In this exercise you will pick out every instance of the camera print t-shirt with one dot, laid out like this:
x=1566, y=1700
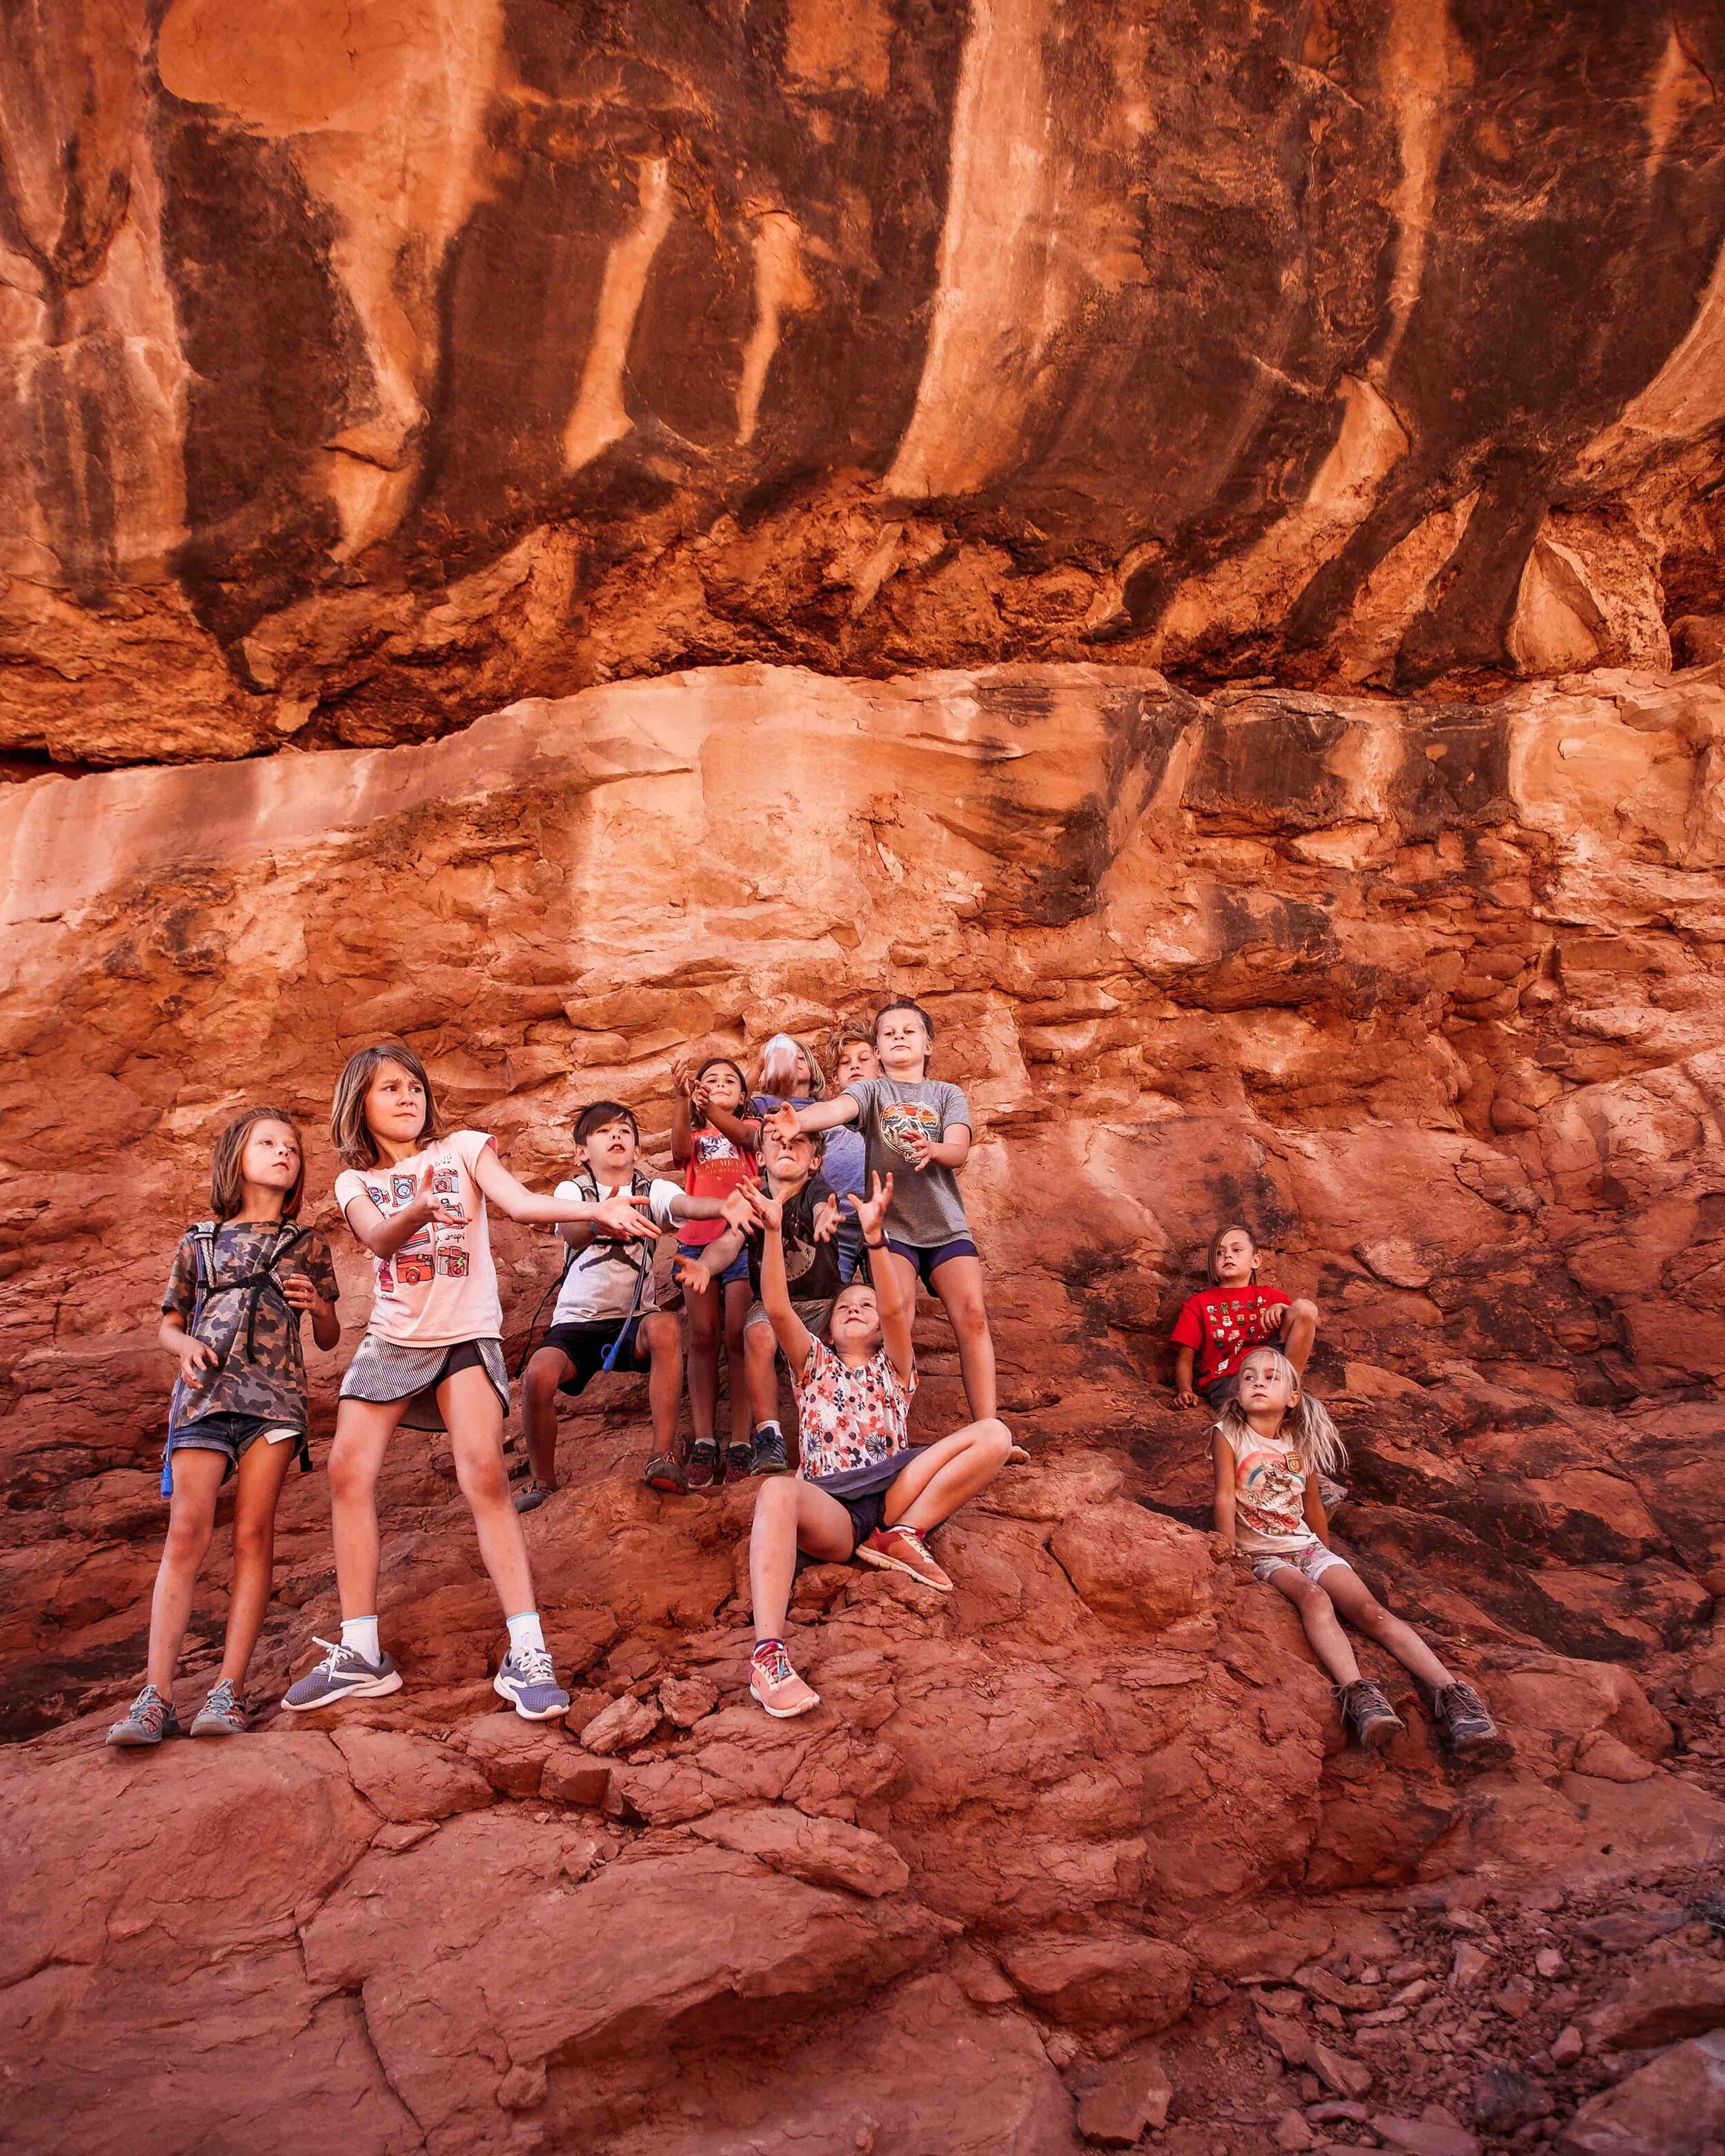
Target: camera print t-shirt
x=599, y=1286
x=1224, y=1324
x=1269, y=1497
x=926, y=1210
x=440, y=1287
x=715, y=1168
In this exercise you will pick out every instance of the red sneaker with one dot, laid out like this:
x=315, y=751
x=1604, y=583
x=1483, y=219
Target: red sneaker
x=776, y=1684
x=900, y=1549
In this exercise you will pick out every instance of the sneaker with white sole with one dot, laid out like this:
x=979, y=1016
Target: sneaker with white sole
x=223, y=1714
x=902, y=1549
x=148, y=1720
x=530, y=1683
x=776, y=1684
x=344, y=1673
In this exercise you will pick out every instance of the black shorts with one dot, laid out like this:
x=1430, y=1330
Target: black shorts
x=929, y=1258
x=587, y=1346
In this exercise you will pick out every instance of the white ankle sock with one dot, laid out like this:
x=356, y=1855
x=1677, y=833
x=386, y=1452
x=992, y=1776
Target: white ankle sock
x=361, y=1633
x=761, y=1428
x=524, y=1632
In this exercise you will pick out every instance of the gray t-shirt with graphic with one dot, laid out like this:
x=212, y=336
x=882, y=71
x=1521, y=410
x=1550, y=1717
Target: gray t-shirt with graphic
x=926, y=1210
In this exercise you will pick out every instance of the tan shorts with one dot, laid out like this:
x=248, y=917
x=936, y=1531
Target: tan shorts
x=1311, y=1563
x=816, y=1316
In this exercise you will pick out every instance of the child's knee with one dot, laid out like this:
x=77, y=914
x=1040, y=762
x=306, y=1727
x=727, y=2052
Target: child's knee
x=540, y=1386
x=1302, y=1310
x=993, y=1440
x=349, y=1473
x=775, y=1508
x=188, y=1536
x=254, y=1540
x=1372, y=1617
x=485, y=1480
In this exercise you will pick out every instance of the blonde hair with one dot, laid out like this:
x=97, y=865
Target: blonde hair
x=776, y=1055
x=349, y=1130
x=1307, y=1424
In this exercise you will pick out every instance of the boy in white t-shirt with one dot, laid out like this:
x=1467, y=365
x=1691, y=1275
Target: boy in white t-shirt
x=607, y=1314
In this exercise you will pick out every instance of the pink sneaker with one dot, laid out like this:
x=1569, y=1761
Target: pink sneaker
x=776, y=1684
x=901, y=1550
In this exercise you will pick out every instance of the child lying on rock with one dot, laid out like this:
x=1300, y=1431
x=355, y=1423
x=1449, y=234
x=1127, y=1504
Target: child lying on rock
x=241, y=1284
x=789, y=1174
x=607, y=1316
x=1268, y=1445
x=863, y=1490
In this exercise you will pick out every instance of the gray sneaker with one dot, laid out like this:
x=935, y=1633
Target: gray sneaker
x=223, y=1714
x=344, y=1673
x=148, y=1720
x=531, y=1496
x=530, y=1683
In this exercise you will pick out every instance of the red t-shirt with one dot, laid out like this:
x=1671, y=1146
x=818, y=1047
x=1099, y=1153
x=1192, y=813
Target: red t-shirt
x=715, y=1167
x=1224, y=1324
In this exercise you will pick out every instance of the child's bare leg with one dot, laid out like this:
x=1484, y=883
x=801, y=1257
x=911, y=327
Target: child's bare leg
x=1362, y=1609
x=951, y=1470
x=363, y=1430
x=705, y=1317
x=549, y=1367
x=1323, y=1627
x=760, y=1353
x=662, y=1337
x=1299, y=1329
x=191, y=1521
x=958, y=1283
x=474, y=1416
x=262, y=1472
x=737, y=1310
x=791, y=1514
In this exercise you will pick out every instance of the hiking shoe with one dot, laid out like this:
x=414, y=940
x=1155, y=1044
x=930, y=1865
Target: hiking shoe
x=901, y=1550
x=1368, y=1716
x=530, y=1683
x=530, y=1498
x=703, y=1463
x=1460, y=1719
x=344, y=1673
x=223, y=1714
x=770, y=1456
x=148, y=1720
x=666, y=1475
x=739, y=1460
x=776, y=1684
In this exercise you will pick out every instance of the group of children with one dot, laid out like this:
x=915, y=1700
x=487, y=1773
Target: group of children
x=806, y=1219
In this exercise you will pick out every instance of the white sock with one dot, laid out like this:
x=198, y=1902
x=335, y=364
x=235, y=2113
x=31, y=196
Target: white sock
x=524, y=1632
x=361, y=1633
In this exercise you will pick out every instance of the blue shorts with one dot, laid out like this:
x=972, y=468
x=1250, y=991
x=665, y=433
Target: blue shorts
x=928, y=1262
x=737, y=1270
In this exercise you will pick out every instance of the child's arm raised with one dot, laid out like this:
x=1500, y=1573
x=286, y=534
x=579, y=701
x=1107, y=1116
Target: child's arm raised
x=685, y=1208
x=1184, y=1397
x=623, y=1216
x=895, y=1307
x=698, y=1275
x=744, y=1132
x=1222, y=1453
x=817, y=1116
x=682, y=1134
x=382, y=1234
x=789, y=1329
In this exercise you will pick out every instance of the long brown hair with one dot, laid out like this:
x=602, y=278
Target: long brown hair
x=349, y=1131
x=227, y=1181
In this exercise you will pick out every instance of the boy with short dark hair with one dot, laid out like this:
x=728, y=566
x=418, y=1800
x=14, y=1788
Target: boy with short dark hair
x=789, y=1173
x=607, y=1315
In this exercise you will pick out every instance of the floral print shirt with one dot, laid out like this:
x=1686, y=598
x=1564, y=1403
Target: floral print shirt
x=850, y=1417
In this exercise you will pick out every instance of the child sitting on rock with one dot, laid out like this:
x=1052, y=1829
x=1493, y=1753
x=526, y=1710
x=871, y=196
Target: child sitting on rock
x=607, y=1315
x=788, y=1173
x=715, y=1140
x=846, y=1164
x=863, y=1489
x=1223, y=1322
x=1268, y=1445
x=432, y=1358
x=911, y=1121
x=241, y=1283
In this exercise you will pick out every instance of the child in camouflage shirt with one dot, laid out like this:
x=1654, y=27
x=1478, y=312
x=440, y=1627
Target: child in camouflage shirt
x=240, y=1286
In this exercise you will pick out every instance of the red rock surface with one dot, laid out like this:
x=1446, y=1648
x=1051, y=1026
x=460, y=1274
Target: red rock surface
x=1430, y=995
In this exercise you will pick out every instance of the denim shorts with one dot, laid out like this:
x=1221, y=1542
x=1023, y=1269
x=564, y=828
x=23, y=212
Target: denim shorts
x=232, y=1435
x=1311, y=1563
x=737, y=1270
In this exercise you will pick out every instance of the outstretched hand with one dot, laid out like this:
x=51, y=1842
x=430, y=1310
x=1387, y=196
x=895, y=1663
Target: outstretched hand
x=691, y=1275
x=1186, y=1397
x=682, y=1076
x=917, y=1147
x=783, y=1123
x=871, y=1211
x=197, y=1359
x=768, y=1211
x=736, y=1209
x=826, y=1219
x=624, y=1217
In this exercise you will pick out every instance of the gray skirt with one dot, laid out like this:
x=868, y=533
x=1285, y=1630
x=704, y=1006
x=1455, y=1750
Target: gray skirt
x=382, y=1372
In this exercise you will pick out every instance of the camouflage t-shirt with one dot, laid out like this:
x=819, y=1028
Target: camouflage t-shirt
x=270, y=1382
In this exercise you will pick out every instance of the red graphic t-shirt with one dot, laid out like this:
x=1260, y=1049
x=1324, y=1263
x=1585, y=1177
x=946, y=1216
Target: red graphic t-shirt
x=1224, y=1324
x=715, y=1167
